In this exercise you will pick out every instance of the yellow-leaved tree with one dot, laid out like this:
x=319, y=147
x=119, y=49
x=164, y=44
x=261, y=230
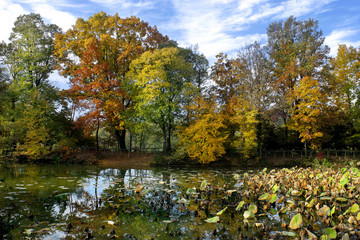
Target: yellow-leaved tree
x=246, y=133
x=305, y=113
x=206, y=134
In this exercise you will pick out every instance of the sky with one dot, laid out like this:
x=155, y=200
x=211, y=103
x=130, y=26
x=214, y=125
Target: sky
x=214, y=25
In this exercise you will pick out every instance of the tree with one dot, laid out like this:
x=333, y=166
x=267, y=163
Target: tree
x=29, y=62
x=205, y=136
x=305, y=115
x=161, y=79
x=296, y=50
x=344, y=91
x=96, y=55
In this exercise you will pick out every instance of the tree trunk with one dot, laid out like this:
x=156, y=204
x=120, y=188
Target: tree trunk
x=120, y=137
x=97, y=136
x=164, y=138
x=168, y=140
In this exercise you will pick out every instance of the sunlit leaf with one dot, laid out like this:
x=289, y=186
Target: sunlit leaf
x=240, y=205
x=296, y=222
x=221, y=212
x=203, y=185
x=273, y=198
x=253, y=208
x=264, y=196
x=325, y=210
x=330, y=232
x=213, y=219
x=248, y=214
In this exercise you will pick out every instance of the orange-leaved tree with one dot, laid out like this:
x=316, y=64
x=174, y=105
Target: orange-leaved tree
x=96, y=55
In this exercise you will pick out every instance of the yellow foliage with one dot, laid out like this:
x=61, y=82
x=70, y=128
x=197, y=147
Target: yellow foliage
x=306, y=111
x=204, y=138
x=245, y=118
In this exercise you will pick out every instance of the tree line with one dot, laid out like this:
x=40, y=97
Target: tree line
x=130, y=84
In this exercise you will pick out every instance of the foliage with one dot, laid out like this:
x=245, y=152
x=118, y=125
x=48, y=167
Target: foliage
x=305, y=115
x=96, y=55
x=205, y=136
x=160, y=80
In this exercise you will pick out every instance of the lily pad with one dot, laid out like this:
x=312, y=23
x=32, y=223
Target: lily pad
x=253, y=208
x=248, y=214
x=330, y=232
x=296, y=222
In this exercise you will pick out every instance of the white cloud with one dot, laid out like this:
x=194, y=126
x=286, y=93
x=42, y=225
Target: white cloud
x=341, y=36
x=63, y=19
x=217, y=25
x=9, y=11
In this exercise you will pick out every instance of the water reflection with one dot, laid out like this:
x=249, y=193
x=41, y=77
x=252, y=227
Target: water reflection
x=77, y=202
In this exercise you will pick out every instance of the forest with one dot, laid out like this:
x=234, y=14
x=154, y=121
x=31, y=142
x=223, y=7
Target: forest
x=132, y=88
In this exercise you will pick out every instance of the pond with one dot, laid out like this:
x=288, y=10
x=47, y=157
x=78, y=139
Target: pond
x=89, y=202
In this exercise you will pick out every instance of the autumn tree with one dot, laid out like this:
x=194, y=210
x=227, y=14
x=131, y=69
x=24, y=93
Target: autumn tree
x=161, y=79
x=29, y=61
x=344, y=91
x=204, y=137
x=305, y=114
x=296, y=50
x=96, y=55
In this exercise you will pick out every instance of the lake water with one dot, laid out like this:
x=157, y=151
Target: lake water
x=89, y=202
x=77, y=202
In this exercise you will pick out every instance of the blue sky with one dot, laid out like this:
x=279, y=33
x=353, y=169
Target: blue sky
x=215, y=25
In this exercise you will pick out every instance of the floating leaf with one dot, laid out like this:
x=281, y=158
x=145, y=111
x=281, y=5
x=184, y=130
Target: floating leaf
x=330, y=232
x=29, y=231
x=253, y=208
x=324, y=237
x=311, y=203
x=311, y=236
x=341, y=199
x=355, y=208
x=248, y=214
x=284, y=210
x=332, y=211
x=358, y=217
x=296, y=222
x=240, y=205
x=221, y=212
x=213, y=219
x=285, y=233
x=325, y=210
x=236, y=176
x=203, y=185
x=273, y=198
x=264, y=196
x=183, y=201
x=191, y=191
x=275, y=188
x=230, y=191
x=325, y=198
x=273, y=211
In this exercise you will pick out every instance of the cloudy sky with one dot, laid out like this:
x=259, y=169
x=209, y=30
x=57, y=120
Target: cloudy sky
x=215, y=25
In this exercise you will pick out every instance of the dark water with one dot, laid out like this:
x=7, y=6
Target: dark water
x=83, y=202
